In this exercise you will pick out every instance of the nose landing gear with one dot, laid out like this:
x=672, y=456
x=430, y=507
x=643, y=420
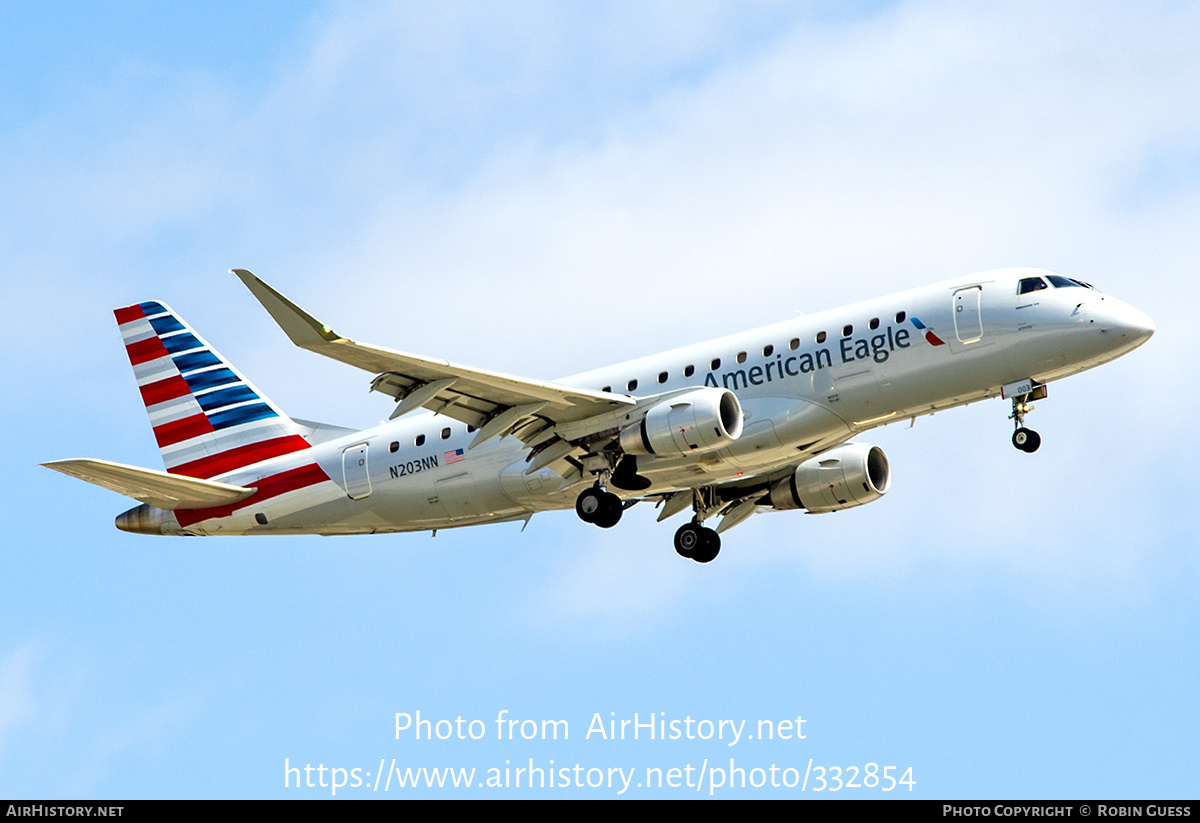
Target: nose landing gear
x=1027, y=440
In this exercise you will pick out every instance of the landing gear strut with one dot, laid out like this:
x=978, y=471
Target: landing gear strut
x=597, y=506
x=1027, y=440
x=693, y=540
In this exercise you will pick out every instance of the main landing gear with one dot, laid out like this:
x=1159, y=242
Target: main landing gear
x=597, y=506
x=697, y=542
x=604, y=509
x=1027, y=440
x=694, y=540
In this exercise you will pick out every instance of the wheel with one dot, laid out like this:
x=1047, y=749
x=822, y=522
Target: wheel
x=610, y=511
x=1027, y=440
x=710, y=547
x=689, y=539
x=695, y=542
x=589, y=503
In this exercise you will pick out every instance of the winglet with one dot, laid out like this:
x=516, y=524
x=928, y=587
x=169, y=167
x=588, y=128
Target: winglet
x=301, y=327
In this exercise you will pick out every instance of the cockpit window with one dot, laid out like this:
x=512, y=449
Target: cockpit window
x=1029, y=284
x=1060, y=282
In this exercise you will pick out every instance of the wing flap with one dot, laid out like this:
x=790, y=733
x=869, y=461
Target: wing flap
x=165, y=491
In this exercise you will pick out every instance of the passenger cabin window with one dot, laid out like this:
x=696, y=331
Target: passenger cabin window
x=446, y=433
x=606, y=389
x=662, y=377
x=874, y=323
x=901, y=316
x=741, y=358
x=847, y=330
x=688, y=371
x=715, y=364
x=420, y=441
x=631, y=385
x=1029, y=284
x=768, y=351
x=820, y=337
x=394, y=446
x=795, y=344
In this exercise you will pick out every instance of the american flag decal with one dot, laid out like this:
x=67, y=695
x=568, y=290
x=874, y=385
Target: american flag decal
x=454, y=456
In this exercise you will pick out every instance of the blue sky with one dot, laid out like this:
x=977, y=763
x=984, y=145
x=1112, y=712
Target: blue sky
x=541, y=189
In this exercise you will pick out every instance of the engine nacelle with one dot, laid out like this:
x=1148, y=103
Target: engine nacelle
x=841, y=478
x=698, y=421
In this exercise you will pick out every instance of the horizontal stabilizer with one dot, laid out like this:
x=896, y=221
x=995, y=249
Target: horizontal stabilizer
x=165, y=491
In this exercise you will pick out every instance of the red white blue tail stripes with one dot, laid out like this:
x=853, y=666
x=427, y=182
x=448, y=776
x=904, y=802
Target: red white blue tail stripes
x=207, y=418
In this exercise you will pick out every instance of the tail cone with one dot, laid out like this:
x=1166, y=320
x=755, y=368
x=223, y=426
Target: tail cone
x=141, y=519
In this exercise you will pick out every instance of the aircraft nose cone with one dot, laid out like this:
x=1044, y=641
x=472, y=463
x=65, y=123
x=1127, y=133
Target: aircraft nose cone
x=1145, y=328
x=1132, y=324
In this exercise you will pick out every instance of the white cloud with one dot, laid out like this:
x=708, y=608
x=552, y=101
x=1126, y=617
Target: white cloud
x=18, y=705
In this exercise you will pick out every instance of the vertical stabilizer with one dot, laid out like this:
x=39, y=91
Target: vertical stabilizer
x=207, y=418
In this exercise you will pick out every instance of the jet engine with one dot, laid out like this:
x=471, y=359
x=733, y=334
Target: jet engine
x=698, y=421
x=841, y=478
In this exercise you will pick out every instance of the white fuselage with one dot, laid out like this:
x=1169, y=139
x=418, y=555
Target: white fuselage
x=805, y=385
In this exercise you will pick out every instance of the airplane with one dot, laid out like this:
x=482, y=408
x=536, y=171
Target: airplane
x=758, y=421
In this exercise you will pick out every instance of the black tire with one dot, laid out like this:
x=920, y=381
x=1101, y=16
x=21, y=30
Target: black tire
x=689, y=539
x=1027, y=440
x=610, y=511
x=710, y=547
x=589, y=504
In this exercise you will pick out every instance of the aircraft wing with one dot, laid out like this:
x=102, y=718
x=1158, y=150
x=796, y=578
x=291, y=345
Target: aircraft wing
x=166, y=491
x=496, y=403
